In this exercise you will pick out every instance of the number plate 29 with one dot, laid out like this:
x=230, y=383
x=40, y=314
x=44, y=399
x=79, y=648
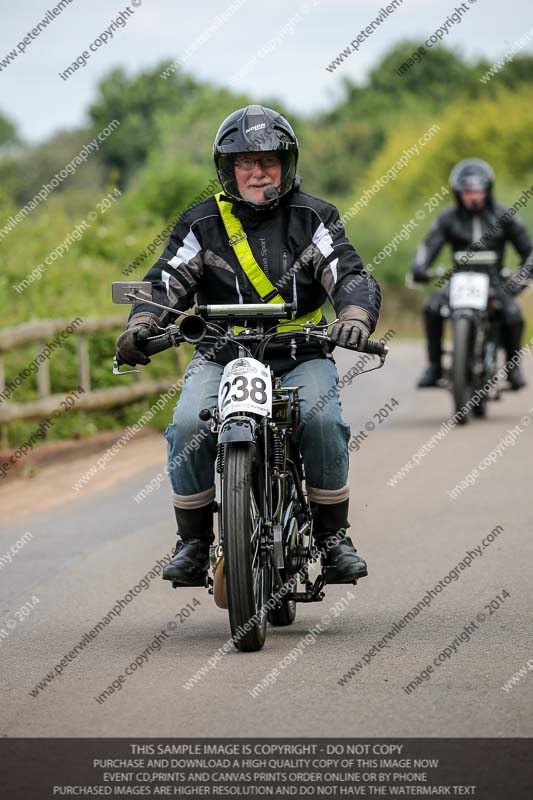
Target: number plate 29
x=246, y=387
x=469, y=290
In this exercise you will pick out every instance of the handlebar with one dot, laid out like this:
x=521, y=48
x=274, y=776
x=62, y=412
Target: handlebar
x=156, y=344
x=446, y=272
x=172, y=337
x=193, y=329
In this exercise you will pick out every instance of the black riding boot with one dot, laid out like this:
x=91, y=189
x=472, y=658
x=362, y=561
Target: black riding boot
x=191, y=555
x=433, y=373
x=511, y=340
x=337, y=550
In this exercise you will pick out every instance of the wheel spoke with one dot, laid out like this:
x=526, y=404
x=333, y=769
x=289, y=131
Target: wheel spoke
x=259, y=591
x=255, y=541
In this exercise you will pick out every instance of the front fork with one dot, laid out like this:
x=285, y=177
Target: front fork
x=478, y=350
x=485, y=350
x=276, y=466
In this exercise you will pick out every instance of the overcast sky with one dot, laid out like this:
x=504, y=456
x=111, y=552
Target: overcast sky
x=219, y=40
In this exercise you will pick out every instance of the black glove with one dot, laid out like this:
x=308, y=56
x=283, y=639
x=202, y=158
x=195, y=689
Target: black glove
x=353, y=328
x=518, y=281
x=140, y=327
x=515, y=288
x=419, y=275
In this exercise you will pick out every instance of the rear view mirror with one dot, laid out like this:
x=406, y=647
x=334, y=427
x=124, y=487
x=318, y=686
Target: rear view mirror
x=131, y=291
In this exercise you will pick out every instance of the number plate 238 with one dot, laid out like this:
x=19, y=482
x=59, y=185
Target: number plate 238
x=246, y=387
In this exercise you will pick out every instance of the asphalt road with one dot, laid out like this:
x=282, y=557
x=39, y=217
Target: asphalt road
x=92, y=548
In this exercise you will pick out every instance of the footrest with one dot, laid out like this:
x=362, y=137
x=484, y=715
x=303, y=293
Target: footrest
x=305, y=597
x=201, y=580
x=313, y=592
x=331, y=576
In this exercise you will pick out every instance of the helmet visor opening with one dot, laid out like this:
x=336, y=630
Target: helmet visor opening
x=226, y=172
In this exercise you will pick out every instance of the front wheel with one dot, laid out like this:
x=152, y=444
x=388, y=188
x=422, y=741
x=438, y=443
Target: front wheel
x=461, y=372
x=248, y=574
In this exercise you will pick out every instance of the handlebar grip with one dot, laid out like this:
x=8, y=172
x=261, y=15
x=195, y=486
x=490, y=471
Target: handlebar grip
x=148, y=347
x=374, y=348
x=155, y=344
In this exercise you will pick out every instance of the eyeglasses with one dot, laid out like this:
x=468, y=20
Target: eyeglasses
x=247, y=163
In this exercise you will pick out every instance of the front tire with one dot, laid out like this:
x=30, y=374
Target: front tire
x=247, y=577
x=461, y=372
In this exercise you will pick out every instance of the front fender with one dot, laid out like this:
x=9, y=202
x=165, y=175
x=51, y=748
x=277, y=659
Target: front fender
x=238, y=429
x=466, y=313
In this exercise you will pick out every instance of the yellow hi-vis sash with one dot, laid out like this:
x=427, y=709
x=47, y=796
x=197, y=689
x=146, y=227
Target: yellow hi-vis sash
x=264, y=288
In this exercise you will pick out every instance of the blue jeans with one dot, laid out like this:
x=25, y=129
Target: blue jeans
x=322, y=435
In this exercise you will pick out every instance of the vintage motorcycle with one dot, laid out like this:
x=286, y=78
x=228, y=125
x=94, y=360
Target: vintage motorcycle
x=265, y=528
x=472, y=305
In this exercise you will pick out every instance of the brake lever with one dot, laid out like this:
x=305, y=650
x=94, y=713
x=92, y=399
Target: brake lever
x=167, y=337
x=307, y=329
x=116, y=368
x=381, y=356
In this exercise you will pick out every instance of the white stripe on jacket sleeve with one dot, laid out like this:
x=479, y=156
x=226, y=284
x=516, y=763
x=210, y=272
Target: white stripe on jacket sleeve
x=322, y=239
x=190, y=248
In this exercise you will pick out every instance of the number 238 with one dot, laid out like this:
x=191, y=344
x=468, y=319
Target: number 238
x=241, y=384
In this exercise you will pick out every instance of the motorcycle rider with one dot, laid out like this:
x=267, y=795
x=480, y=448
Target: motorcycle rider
x=260, y=236
x=476, y=222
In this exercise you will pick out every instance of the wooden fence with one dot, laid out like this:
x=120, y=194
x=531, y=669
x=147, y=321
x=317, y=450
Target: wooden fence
x=40, y=333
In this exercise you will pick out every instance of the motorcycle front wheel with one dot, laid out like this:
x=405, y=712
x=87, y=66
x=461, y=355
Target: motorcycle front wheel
x=461, y=372
x=248, y=572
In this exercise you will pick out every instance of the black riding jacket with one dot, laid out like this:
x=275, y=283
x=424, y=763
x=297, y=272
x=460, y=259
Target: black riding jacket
x=488, y=229
x=300, y=245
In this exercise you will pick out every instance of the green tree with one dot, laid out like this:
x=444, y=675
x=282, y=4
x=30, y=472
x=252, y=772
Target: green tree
x=136, y=103
x=24, y=173
x=440, y=74
x=8, y=132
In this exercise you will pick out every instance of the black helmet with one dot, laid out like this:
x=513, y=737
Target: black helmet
x=472, y=174
x=255, y=129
